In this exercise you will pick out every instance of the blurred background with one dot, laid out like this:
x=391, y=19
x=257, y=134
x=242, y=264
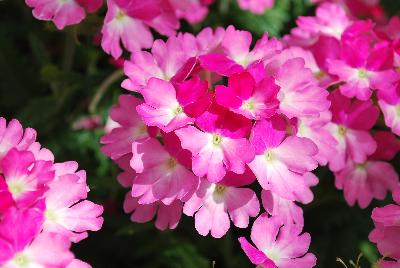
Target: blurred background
x=55, y=80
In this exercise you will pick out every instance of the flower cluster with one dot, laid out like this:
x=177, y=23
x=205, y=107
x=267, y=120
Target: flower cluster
x=128, y=22
x=216, y=116
x=39, y=218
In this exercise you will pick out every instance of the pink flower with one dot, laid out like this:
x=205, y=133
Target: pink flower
x=168, y=216
x=22, y=246
x=351, y=121
x=389, y=102
x=248, y=97
x=160, y=175
x=64, y=213
x=363, y=182
x=256, y=6
x=118, y=142
x=279, y=244
x=213, y=205
x=25, y=177
x=220, y=145
x=236, y=52
x=126, y=17
x=62, y=13
x=330, y=20
x=299, y=95
x=193, y=11
x=14, y=136
x=365, y=64
x=170, y=109
x=281, y=161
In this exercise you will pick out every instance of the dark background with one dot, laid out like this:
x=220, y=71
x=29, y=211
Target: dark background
x=48, y=79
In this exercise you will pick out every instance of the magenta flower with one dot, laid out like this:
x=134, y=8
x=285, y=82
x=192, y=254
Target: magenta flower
x=220, y=145
x=248, y=97
x=213, y=204
x=62, y=13
x=279, y=244
x=281, y=161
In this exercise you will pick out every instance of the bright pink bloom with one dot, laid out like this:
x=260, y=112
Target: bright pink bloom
x=220, y=145
x=256, y=6
x=248, y=97
x=351, y=121
x=64, y=213
x=118, y=142
x=160, y=175
x=168, y=216
x=193, y=11
x=14, y=136
x=26, y=178
x=22, y=246
x=281, y=161
x=389, y=102
x=387, y=146
x=299, y=95
x=134, y=16
x=213, y=205
x=279, y=244
x=6, y=199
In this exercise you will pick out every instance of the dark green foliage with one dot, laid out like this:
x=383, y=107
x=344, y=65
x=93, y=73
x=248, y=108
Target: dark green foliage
x=48, y=79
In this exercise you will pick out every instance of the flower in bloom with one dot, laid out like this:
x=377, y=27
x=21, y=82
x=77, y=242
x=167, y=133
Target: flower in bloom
x=125, y=17
x=389, y=102
x=118, y=142
x=351, y=121
x=248, y=97
x=219, y=145
x=39, y=218
x=160, y=175
x=256, y=6
x=168, y=216
x=213, y=204
x=387, y=230
x=64, y=213
x=62, y=13
x=281, y=160
x=22, y=246
x=365, y=64
x=278, y=244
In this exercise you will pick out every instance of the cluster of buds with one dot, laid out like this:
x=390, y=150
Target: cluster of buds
x=43, y=206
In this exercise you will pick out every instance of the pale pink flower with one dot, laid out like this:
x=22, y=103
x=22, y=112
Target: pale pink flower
x=160, y=174
x=62, y=13
x=64, y=213
x=25, y=177
x=281, y=160
x=299, y=95
x=193, y=10
x=129, y=21
x=220, y=145
x=168, y=216
x=236, y=52
x=118, y=142
x=389, y=102
x=78, y=264
x=279, y=244
x=214, y=204
x=256, y=6
x=330, y=20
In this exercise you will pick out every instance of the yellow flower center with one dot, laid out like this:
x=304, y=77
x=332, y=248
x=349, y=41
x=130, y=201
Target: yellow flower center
x=249, y=105
x=120, y=15
x=319, y=75
x=342, y=130
x=171, y=163
x=21, y=260
x=178, y=110
x=50, y=215
x=219, y=189
x=268, y=155
x=16, y=187
x=362, y=73
x=217, y=139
